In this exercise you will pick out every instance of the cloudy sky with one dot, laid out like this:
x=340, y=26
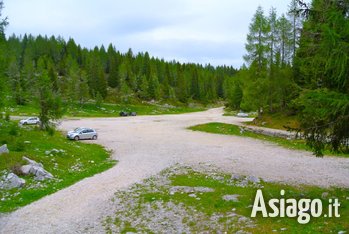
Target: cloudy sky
x=200, y=31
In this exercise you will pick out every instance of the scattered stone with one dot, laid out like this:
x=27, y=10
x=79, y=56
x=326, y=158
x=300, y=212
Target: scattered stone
x=187, y=189
x=324, y=195
x=236, y=177
x=192, y=195
x=342, y=232
x=11, y=181
x=283, y=229
x=32, y=162
x=4, y=149
x=242, y=219
x=36, y=169
x=26, y=169
x=231, y=197
x=54, y=152
x=253, y=179
x=27, y=142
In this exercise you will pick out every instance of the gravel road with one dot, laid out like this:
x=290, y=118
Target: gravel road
x=145, y=145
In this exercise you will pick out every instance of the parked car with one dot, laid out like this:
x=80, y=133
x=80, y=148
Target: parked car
x=124, y=113
x=31, y=120
x=82, y=134
x=242, y=114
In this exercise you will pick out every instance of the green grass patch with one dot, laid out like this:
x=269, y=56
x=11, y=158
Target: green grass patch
x=230, y=129
x=230, y=112
x=276, y=121
x=109, y=110
x=74, y=162
x=211, y=203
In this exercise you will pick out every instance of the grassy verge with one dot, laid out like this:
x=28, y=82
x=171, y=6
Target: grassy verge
x=109, y=110
x=73, y=162
x=276, y=121
x=199, y=212
x=230, y=129
x=230, y=112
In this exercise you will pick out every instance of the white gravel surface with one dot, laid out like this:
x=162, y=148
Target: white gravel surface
x=145, y=145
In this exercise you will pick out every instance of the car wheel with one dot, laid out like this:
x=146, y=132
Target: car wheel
x=76, y=138
x=94, y=137
x=25, y=123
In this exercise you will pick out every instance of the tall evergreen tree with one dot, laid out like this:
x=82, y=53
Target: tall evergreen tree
x=3, y=49
x=323, y=65
x=257, y=41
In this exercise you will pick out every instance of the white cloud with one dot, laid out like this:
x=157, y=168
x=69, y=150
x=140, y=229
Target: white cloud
x=201, y=31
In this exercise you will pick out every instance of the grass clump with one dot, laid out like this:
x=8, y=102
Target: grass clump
x=231, y=129
x=72, y=162
x=277, y=121
x=153, y=206
x=90, y=109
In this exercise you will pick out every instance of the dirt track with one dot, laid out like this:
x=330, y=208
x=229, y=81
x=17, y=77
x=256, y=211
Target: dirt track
x=145, y=145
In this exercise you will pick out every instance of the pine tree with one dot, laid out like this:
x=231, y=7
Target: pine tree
x=49, y=102
x=143, y=88
x=16, y=82
x=3, y=63
x=113, y=78
x=323, y=65
x=154, y=87
x=286, y=40
x=257, y=41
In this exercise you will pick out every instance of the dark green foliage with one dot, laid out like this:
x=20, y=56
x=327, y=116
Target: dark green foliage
x=267, y=83
x=77, y=74
x=325, y=119
x=49, y=101
x=312, y=80
x=322, y=67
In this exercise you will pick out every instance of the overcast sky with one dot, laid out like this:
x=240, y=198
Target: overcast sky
x=199, y=31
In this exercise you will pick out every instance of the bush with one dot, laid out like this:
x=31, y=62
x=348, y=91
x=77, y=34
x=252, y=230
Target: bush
x=16, y=169
x=50, y=130
x=7, y=117
x=18, y=146
x=13, y=130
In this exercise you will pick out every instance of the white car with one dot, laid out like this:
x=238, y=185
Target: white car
x=242, y=114
x=31, y=120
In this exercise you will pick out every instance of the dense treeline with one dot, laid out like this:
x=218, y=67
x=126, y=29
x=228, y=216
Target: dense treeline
x=267, y=83
x=33, y=65
x=298, y=64
x=79, y=74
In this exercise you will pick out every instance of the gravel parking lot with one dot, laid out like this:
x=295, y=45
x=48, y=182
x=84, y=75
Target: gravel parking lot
x=145, y=145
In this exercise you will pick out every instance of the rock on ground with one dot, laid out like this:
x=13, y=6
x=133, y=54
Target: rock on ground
x=4, y=149
x=11, y=181
x=35, y=169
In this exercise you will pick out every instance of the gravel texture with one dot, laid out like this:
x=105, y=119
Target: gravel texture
x=129, y=210
x=144, y=146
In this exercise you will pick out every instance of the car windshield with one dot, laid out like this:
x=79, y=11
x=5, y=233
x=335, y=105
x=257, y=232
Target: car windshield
x=77, y=129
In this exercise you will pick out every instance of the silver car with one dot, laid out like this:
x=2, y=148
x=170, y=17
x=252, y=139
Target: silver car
x=82, y=134
x=31, y=120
